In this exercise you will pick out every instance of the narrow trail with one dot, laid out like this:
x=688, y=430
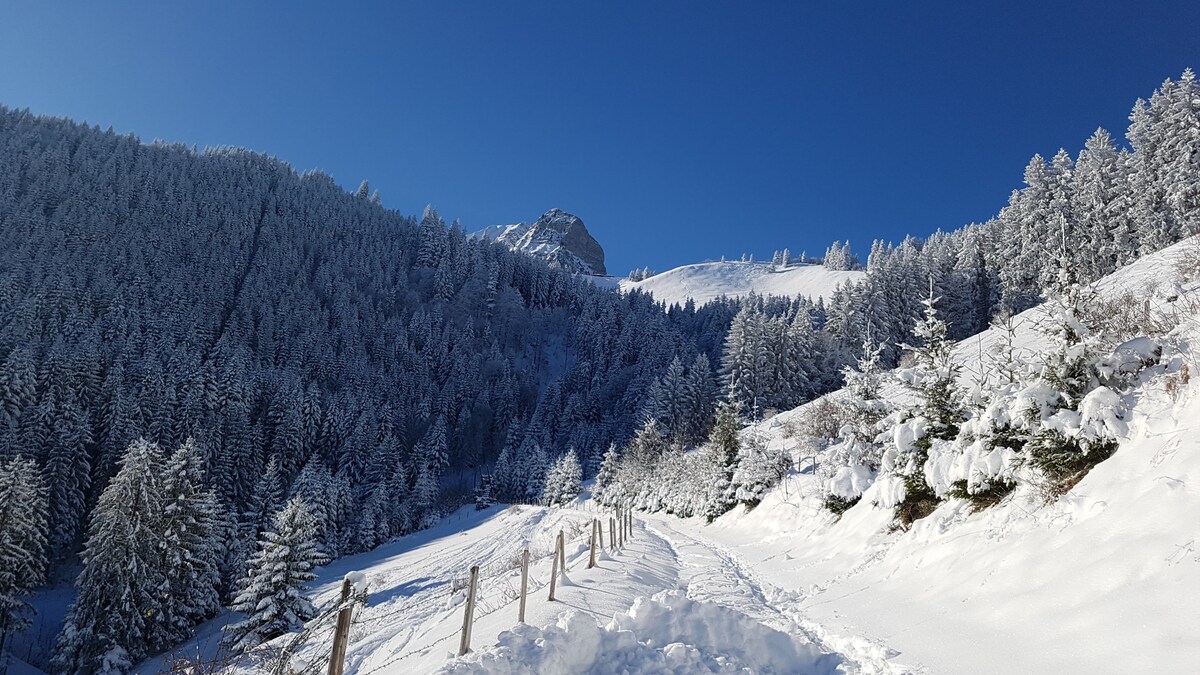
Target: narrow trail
x=710, y=572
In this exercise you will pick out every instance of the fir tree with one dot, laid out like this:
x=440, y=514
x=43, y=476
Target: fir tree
x=270, y=595
x=195, y=534
x=23, y=547
x=118, y=617
x=562, y=480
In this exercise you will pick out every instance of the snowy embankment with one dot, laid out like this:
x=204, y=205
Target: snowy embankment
x=1104, y=579
x=707, y=281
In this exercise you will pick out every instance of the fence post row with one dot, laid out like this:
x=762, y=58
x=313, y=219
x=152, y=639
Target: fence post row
x=616, y=538
x=468, y=615
x=524, y=584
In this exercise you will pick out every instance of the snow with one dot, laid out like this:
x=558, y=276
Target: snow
x=668, y=633
x=703, y=282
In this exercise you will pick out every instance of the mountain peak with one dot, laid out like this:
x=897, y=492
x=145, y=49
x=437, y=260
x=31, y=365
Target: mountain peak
x=558, y=237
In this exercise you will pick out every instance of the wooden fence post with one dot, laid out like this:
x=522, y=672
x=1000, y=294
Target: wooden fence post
x=592, y=555
x=562, y=552
x=612, y=534
x=629, y=515
x=341, y=632
x=524, y=584
x=468, y=616
x=601, y=524
x=554, y=568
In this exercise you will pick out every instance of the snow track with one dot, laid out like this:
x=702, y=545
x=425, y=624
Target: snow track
x=713, y=573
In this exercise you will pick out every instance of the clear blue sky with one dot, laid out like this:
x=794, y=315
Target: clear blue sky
x=678, y=131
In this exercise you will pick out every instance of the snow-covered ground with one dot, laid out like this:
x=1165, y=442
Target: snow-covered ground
x=703, y=282
x=669, y=602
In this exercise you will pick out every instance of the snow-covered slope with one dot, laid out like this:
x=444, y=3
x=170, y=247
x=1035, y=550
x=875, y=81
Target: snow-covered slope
x=1102, y=580
x=703, y=282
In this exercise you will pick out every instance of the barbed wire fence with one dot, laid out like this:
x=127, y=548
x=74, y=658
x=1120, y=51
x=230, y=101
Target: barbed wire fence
x=498, y=577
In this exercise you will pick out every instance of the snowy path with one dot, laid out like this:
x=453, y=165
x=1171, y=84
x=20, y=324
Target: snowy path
x=712, y=573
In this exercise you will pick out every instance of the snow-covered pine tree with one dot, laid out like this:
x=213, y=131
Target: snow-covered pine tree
x=1074, y=421
x=562, y=480
x=722, y=451
x=936, y=415
x=607, y=490
x=195, y=537
x=118, y=617
x=760, y=468
x=271, y=594
x=668, y=401
x=854, y=461
x=24, y=520
x=483, y=493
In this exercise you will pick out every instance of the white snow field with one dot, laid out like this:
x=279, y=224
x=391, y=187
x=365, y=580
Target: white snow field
x=703, y=282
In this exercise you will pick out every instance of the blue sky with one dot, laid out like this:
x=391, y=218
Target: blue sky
x=678, y=131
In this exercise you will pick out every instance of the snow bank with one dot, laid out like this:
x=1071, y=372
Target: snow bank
x=704, y=282
x=667, y=633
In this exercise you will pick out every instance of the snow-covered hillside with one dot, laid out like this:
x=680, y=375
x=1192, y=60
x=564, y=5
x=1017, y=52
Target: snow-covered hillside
x=703, y=282
x=1103, y=579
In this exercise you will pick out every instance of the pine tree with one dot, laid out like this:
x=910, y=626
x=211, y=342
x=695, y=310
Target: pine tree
x=936, y=415
x=195, y=532
x=271, y=594
x=722, y=451
x=760, y=468
x=24, y=521
x=562, y=480
x=607, y=490
x=118, y=617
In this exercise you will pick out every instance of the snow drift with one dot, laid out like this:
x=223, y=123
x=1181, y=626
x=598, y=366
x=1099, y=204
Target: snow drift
x=667, y=633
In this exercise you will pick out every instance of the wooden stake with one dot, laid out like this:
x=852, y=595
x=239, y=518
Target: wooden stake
x=601, y=524
x=562, y=552
x=341, y=633
x=554, y=569
x=465, y=645
x=524, y=584
x=612, y=533
x=592, y=555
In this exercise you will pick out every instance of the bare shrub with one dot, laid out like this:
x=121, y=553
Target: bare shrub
x=1127, y=315
x=821, y=419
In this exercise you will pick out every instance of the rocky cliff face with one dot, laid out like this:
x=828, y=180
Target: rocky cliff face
x=558, y=237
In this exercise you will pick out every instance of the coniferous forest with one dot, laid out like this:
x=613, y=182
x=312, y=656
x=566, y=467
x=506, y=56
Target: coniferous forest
x=204, y=354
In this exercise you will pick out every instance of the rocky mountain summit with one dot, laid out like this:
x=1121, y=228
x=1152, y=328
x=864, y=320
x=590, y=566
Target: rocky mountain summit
x=557, y=237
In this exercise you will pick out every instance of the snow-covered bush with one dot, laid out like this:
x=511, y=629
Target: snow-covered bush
x=760, y=468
